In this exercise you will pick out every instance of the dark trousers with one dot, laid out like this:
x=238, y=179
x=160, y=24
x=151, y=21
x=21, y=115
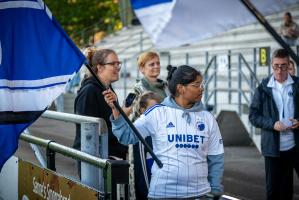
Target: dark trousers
x=141, y=190
x=279, y=174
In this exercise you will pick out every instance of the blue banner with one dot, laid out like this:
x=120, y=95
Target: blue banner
x=37, y=59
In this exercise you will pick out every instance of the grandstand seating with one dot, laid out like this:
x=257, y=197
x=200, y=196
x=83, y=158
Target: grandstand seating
x=130, y=41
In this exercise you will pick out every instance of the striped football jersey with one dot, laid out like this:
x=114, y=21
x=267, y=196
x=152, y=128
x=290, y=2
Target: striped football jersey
x=183, y=149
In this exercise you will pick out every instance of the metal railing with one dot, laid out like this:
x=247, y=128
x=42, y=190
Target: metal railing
x=242, y=85
x=248, y=79
x=64, y=150
x=91, y=175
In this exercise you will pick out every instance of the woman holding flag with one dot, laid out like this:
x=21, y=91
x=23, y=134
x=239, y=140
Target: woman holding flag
x=185, y=138
x=90, y=101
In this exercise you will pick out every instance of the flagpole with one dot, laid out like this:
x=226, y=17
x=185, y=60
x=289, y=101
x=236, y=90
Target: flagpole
x=116, y=104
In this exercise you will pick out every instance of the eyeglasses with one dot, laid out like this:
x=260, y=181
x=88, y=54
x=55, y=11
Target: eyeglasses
x=282, y=67
x=115, y=64
x=198, y=84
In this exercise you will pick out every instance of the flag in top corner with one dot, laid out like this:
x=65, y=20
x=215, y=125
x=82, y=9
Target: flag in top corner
x=173, y=23
x=37, y=59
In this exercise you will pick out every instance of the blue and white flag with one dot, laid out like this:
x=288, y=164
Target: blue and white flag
x=172, y=23
x=37, y=59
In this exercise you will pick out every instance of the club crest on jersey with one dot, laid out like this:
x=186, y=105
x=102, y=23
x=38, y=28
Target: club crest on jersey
x=170, y=125
x=200, y=126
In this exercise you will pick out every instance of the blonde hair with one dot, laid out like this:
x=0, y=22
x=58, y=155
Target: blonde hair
x=145, y=57
x=96, y=57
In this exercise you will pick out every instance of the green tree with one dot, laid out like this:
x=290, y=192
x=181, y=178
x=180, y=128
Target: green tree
x=81, y=19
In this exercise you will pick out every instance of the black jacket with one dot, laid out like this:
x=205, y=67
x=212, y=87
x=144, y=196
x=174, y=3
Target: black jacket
x=264, y=113
x=91, y=102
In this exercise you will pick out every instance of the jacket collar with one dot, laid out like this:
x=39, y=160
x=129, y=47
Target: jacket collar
x=271, y=82
x=159, y=84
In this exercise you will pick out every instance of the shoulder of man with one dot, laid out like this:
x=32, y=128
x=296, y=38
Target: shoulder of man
x=264, y=82
x=262, y=87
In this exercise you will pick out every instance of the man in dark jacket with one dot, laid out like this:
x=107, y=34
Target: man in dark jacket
x=275, y=109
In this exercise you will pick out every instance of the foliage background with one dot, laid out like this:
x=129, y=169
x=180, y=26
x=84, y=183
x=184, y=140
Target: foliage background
x=81, y=19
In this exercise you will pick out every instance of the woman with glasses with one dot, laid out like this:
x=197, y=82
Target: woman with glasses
x=185, y=138
x=149, y=66
x=90, y=101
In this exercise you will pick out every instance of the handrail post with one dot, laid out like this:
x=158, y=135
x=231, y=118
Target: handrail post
x=50, y=158
x=90, y=144
x=187, y=58
x=104, y=139
x=253, y=86
x=253, y=83
x=229, y=77
x=206, y=92
x=239, y=85
x=117, y=172
x=169, y=59
x=207, y=58
x=103, y=150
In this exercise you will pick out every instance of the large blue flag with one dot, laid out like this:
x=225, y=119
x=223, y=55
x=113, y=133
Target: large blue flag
x=171, y=23
x=37, y=59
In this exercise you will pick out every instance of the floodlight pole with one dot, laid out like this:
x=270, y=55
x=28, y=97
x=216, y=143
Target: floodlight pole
x=148, y=148
x=270, y=29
